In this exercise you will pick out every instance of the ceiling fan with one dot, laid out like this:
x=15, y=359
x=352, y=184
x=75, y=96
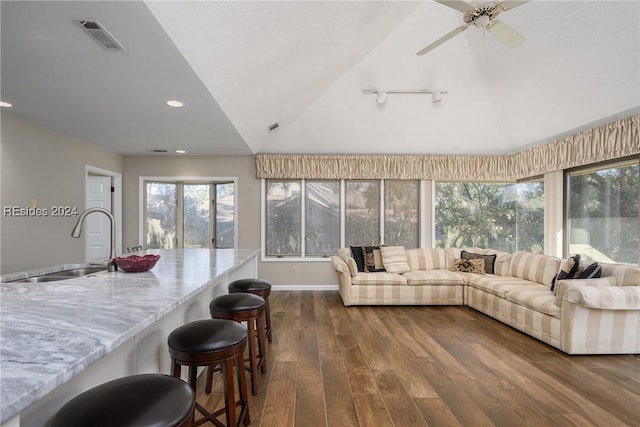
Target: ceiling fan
x=483, y=15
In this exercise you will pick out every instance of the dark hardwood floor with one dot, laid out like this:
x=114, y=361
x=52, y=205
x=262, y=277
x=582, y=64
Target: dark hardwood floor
x=331, y=365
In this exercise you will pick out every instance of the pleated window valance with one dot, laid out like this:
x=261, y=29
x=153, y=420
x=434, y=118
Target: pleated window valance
x=617, y=139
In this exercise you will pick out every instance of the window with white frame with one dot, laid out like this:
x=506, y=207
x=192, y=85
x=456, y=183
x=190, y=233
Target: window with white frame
x=602, y=212
x=304, y=218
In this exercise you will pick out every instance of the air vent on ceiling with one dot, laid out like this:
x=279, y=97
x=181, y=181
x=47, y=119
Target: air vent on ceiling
x=99, y=34
x=273, y=127
x=159, y=150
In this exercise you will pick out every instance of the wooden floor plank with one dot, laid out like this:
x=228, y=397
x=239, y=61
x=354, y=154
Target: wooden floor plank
x=401, y=408
x=279, y=407
x=371, y=410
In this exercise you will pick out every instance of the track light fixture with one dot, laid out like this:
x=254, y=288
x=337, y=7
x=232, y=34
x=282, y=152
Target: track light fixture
x=381, y=95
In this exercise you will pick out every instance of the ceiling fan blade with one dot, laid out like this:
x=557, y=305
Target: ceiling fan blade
x=507, y=35
x=460, y=5
x=442, y=40
x=510, y=4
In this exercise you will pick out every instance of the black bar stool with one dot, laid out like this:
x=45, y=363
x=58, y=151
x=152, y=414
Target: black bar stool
x=213, y=343
x=139, y=400
x=259, y=287
x=249, y=308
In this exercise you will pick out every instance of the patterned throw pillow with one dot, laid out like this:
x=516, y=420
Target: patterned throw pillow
x=394, y=259
x=475, y=265
x=489, y=260
x=372, y=259
x=568, y=270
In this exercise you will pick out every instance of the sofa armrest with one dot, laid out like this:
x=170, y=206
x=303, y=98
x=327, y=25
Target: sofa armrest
x=344, y=278
x=564, y=285
x=605, y=298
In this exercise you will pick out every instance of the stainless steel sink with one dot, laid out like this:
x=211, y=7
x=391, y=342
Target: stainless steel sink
x=77, y=272
x=62, y=275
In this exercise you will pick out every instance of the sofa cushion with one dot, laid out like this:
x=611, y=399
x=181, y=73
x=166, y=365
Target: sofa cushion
x=498, y=285
x=562, y=286
x=394, y=259
x=534, y=267
x=537, y=298
x=372, y=259
x=353, y=267
x=379, y=279
x=489, y=260
x=426, y=259
x=626, y=275
x=434, y=277
x=453, y=253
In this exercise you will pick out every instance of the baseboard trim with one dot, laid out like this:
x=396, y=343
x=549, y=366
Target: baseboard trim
x=304, y=287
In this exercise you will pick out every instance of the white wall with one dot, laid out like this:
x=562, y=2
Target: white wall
x=247, y=202
x=48, y=167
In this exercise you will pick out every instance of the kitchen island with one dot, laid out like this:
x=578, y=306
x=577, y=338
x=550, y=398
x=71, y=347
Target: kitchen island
x=60, y=338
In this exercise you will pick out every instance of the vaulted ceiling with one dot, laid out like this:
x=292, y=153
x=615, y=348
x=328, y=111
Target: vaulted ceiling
x=241, y=66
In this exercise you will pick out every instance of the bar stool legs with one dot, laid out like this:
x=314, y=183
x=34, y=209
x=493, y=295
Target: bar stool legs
x=214, y=343
x=245, y=307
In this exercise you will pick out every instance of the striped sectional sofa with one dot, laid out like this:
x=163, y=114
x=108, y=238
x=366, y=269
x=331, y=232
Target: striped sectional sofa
x=583, y=316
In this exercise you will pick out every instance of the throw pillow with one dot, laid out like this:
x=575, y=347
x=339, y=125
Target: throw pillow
x=394, y=259
x=475, y=265
x=372, y=259
x=489, y=260
x=568, y=270
x=591, y=271
x=358, y=256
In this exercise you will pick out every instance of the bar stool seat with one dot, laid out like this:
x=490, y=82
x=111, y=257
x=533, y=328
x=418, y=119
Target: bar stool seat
x=139, y=400
x=213, y=343
x=248, y=308
x=259, y=287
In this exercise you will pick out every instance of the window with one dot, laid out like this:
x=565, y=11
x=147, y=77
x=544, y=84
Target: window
x=179, y=215
x=362, y=221
x=602, y=212
x=322, y=217
x=283, y=213
x=503, y=216
x=313, y=218
x=401, y=207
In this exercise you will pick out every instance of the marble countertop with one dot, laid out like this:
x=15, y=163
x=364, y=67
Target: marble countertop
x=51, y=331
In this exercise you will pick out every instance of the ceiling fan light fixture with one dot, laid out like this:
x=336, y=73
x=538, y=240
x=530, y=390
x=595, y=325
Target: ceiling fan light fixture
x=381, y=97
x=436, y=96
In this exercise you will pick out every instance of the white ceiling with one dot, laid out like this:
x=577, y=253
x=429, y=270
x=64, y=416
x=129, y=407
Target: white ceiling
x=240, y=66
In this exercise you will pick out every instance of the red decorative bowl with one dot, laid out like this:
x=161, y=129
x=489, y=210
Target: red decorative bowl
x=136, y=263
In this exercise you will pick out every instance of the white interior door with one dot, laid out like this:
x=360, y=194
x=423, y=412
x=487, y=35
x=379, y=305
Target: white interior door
x=97, y=228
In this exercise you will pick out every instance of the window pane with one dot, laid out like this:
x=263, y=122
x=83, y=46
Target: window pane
x=603, y=214
x=283, y=213
x=362, y=224
x=401, y=203
x=475, y=214
x=322, y=228
x=225, y=210
x=161, y=215
x=196, y=216
x=530, y=216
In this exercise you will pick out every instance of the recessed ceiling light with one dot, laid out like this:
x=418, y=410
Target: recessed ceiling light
x=174, y=103
x=5, y=104
x=181, y=151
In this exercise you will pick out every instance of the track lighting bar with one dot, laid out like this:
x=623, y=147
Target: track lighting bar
x=381, y=95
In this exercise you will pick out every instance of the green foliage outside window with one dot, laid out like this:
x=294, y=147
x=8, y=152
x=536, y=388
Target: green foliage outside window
x=503, y=216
